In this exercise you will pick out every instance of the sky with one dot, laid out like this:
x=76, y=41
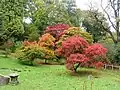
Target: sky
x=84, y=4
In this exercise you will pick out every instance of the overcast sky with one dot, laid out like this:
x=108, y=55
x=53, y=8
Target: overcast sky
x=84, y=4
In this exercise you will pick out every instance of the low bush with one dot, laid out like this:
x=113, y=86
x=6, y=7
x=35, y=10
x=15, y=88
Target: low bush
x=47, y=40
x=113, y=53
x=27, y=55
x=43, y=49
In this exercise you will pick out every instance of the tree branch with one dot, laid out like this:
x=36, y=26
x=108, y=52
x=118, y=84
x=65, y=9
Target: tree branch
x=108, y=16
x=113, y=7
x=106, y=29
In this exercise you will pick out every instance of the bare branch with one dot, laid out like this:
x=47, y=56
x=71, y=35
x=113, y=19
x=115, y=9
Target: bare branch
x=108, y=16
x=113, y=7
x=106, y=29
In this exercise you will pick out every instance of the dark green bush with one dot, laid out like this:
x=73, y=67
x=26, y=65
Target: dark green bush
x=113, y=53
x=16, y=45
x=117, y=54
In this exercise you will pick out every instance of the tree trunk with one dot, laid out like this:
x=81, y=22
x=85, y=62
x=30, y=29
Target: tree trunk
x=31, y=63
x=117, y=31
x=45, y=61
x=115, y=5
x=75, y=68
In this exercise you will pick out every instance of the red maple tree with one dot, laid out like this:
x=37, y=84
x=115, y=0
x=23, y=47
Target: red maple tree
x=57, y=30
x=78, y=52
x=72, y=45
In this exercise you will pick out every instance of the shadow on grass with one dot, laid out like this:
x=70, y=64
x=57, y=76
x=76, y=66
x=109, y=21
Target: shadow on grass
x=81, y=73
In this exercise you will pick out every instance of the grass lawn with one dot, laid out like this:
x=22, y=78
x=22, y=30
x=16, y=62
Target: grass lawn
x=55, y=77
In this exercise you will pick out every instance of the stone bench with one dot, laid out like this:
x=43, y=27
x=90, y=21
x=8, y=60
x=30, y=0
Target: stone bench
x=14, y=78
x=4, y=80
x=11, y=78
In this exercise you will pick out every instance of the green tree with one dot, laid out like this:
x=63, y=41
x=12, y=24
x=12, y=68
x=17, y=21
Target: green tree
x=73, y=12
x=2, y=28
x=113, y=6
x=31, y=32
x=12, y=10
x=111, y=10
x=49, y=13
x=94, y=27
x=29, y=9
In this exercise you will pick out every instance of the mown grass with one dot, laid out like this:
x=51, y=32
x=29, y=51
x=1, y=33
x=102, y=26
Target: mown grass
x=55, y=77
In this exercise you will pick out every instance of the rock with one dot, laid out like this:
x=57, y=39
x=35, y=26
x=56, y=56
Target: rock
x=4, y=80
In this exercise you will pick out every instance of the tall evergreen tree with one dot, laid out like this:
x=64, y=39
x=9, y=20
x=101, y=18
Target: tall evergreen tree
x=2, y=28
x=13, y=13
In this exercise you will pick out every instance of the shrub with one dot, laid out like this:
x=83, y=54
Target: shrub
x=43, y=49
x=116, y=54
x=33, y=36
x=95, y=50
x=96, y=54
x=78, y=52
x=75, y=31
x=113, y=53
x=49, y=55
x=74, y=60
x=56, y=30
x=72, y=45
x=47, y=40
x=6, y=48
x=31, y=32
x=16, y=45
x=30, y=53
